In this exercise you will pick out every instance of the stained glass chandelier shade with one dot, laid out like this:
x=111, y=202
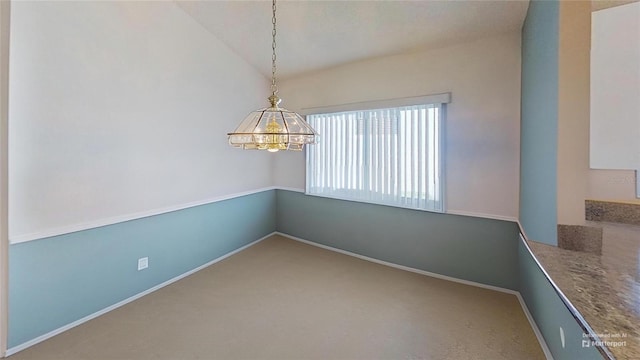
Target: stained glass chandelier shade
x=273, y=129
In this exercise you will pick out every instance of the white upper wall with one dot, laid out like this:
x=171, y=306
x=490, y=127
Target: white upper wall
x=573, y=111
x=614, y=93
x=483, y=119
x=120, y=108
x=615, y=88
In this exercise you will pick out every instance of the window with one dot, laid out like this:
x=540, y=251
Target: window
x=390, y=156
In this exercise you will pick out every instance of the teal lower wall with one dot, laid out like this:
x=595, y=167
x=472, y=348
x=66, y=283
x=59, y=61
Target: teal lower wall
x=539, y=121
x=58, y=280
x=549, y=312
x=469, y=248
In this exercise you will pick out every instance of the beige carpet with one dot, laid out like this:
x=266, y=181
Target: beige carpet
x=281, y=299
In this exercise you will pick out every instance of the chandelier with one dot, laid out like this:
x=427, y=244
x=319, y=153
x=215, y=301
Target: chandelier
x=273, y=128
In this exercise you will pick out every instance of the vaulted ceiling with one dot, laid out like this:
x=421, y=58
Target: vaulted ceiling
x=313, y=35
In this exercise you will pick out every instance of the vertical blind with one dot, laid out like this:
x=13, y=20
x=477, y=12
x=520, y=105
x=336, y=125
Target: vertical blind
x=386, y=156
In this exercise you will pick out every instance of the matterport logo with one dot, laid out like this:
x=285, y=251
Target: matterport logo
x=610, y=340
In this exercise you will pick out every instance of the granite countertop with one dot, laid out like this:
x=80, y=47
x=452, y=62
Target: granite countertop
x=605, y=288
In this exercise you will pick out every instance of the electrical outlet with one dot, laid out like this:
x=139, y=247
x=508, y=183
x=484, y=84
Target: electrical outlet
x=143, y=263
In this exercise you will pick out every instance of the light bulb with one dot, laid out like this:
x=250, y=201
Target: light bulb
x=273, y=126
x=273, y=150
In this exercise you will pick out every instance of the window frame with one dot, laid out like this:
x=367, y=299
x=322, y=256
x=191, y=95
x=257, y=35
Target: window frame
x=438, y=99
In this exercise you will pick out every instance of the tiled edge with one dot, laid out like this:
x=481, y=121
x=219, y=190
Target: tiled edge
x=580, y=238
x=612, y=211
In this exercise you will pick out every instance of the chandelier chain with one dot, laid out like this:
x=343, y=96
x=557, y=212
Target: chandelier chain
x=274, y=88
x=269, y=129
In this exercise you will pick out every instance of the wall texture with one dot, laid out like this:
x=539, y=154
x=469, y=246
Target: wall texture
x=539, y=122
x=119, y=108
x=482, y=127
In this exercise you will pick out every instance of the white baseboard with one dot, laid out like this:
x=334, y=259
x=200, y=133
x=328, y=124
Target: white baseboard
x=533, y=324
x=59, y=330
x=298, y=190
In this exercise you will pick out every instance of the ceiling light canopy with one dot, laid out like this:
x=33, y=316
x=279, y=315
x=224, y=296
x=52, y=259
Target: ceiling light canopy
x=273, y=128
